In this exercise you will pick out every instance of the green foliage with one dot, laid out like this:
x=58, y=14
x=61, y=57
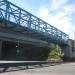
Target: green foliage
x=55, y=52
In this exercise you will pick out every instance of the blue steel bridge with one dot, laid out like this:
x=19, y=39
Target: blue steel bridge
x=19, y=20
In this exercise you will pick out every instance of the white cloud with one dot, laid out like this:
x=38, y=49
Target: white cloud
x=62, y=20
x=44, y=13
x=57, y=3
x=69, y=9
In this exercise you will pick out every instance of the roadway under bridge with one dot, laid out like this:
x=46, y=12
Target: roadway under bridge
x=23, y=35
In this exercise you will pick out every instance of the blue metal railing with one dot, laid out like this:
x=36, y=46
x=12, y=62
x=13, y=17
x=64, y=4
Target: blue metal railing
x=13, y=13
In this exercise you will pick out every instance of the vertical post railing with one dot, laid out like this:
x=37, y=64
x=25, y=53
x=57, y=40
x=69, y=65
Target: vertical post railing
x=7, y=9
x=38, y=25
x=29, y=22
x=19, y=18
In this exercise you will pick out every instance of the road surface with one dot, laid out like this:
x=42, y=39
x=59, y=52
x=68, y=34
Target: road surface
x=53, y=69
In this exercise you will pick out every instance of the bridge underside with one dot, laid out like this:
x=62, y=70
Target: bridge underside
x=9, y=33
x=11, y=51
x=7, y=27
x=15, y=45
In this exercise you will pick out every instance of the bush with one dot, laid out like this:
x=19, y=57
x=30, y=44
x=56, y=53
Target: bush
x=55, y=52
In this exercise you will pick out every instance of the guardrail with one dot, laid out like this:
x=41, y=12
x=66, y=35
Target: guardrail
x=6, y=65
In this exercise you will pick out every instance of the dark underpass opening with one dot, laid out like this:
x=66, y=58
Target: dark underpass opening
x=26, y=52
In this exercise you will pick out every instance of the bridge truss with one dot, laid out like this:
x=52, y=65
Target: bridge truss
x=15, y=18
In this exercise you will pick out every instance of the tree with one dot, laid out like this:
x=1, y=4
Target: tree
x=55, y=51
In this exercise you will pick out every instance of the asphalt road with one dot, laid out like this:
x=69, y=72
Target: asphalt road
x=53, y=69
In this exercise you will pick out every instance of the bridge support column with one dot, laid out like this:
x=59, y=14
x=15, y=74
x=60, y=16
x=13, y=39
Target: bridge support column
x=66, y=51
x=0, y=49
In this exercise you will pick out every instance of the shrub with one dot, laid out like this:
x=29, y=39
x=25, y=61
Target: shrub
x=55, y=52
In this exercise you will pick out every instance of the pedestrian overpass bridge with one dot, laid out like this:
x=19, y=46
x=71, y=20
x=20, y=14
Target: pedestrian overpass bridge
x=17, y=24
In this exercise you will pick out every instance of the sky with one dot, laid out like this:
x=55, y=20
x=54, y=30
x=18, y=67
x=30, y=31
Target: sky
x=58, y=13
